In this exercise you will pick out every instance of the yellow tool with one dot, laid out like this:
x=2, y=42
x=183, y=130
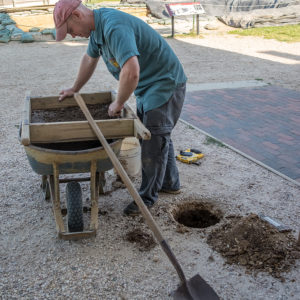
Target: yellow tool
x=190, y=156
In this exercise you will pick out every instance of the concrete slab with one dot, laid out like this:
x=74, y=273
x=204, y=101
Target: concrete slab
x=191, y=87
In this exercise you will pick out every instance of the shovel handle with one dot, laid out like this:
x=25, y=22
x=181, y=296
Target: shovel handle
x=132, y=190
x=119, y=168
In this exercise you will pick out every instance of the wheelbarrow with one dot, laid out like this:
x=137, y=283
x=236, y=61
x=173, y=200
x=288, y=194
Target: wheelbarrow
x=71, y=147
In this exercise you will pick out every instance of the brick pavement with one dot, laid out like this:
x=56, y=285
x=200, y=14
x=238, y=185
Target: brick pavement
x=262, y=122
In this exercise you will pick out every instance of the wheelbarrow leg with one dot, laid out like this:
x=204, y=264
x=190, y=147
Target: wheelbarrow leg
x=54, y=191
x=94, y=196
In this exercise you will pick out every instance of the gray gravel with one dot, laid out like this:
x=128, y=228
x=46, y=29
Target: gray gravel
x=35, y=264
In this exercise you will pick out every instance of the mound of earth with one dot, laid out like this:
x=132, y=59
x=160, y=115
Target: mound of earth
x=144, y=241
x=255, y=244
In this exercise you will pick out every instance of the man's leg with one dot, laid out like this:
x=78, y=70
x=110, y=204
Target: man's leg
x=154, y=162
x=158, y=161
x=171, y=181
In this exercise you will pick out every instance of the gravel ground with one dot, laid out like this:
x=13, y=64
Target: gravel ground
x=35, y=264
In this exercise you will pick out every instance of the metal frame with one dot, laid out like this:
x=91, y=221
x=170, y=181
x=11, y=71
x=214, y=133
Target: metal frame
x=50, y=164
x=173, y=25
x=50, y=186
x=176, y=9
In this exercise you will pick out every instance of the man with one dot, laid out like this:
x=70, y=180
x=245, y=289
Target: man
x=143, y=62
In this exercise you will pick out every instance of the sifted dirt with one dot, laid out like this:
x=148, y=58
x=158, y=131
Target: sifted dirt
x=255, y=244
x=64, y=114
x=71, y=146
x=144, y=241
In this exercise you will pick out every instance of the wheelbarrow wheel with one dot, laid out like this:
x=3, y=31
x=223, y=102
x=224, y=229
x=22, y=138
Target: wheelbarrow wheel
x=74, y=206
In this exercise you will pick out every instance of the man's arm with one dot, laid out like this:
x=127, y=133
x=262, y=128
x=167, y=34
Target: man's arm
x=128, y=81
x=86, y=70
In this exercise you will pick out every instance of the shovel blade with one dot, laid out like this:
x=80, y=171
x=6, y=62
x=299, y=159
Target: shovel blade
x=195, y=289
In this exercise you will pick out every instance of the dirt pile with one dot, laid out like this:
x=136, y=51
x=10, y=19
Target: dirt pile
x=143, y=240
x=255, y=244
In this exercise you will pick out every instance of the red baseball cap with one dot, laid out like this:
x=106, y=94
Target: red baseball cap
x=62, y=11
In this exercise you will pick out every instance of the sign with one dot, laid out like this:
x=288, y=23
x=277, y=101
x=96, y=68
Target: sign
x=184, y=9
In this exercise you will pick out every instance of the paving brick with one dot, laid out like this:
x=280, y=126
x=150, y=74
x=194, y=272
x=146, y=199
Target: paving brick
x=263, y=122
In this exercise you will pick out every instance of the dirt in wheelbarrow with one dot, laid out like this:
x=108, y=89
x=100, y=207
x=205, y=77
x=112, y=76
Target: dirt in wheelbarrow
x=74, y=113
x=255, y=244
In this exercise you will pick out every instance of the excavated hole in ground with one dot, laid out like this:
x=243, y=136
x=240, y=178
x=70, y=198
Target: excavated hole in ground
x=196, y=215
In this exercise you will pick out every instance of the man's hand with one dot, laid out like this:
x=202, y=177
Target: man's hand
x=66, y=93
x=114, y=109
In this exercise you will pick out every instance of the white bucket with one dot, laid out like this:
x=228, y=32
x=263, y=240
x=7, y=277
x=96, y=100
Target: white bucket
x=130, y=156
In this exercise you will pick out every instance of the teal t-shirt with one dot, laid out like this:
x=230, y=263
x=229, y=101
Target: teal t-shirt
x=119, y=36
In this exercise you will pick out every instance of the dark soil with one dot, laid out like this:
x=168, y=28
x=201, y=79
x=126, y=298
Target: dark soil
x=144, y=241
x=255, y=244
x=195, y=215
x=72, y=146
x=67, y=114
x=199, y=218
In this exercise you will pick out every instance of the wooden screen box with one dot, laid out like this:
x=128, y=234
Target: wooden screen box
x=46, y=120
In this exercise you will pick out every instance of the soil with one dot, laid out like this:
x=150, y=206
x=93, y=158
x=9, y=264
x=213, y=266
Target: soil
x=253, y=243
x=197, y=218
x=196, y=215
x=26, y=22
x=74, y=113
x=70, y=146
x=143, y=240
x=73, y=146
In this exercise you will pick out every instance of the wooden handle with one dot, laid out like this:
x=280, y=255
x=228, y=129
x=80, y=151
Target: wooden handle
x=132, y=190
x=25, y=130
x=120, y=170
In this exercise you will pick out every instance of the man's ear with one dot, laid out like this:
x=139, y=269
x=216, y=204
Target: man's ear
x=76, y=14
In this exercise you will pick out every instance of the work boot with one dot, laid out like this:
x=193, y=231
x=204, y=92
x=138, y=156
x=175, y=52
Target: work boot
x=133, y=210
x=173, y=192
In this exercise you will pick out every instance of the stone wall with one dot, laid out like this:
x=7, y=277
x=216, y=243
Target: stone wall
x=10, y=32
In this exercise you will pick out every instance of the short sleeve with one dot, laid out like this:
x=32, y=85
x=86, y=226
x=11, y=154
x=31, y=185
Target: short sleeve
x=122, y=44
x=93, y=49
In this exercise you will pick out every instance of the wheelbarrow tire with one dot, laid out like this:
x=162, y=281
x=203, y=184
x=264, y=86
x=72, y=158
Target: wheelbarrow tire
x=74, y=207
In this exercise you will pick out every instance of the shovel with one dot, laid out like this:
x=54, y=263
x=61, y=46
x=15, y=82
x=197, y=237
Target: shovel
x=196, y=287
